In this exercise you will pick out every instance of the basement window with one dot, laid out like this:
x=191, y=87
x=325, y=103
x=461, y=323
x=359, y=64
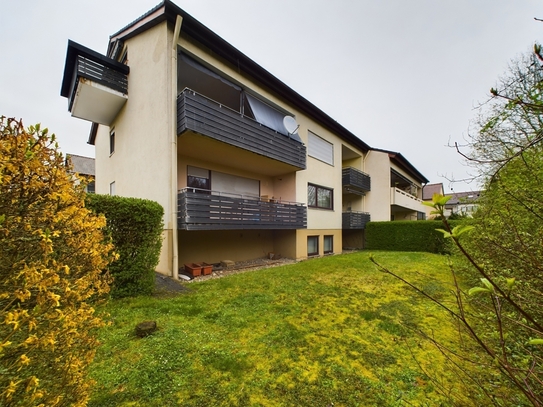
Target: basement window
x=328, y=244
x=312, y=245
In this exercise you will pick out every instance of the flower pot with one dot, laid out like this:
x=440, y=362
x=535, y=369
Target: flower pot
x=193, y=269
x=207, y=268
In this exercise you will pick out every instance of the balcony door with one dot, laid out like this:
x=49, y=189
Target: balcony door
x=201, y=180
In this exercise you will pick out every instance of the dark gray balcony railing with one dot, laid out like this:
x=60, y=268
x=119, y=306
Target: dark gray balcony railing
x=99, y=73
x=204, y=116
x=355, y=181
x=355, y=220
x=210, y=210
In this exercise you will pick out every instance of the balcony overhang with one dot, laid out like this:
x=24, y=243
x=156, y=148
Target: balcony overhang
x=197, y=114
x=405, y=200
x=96, y=86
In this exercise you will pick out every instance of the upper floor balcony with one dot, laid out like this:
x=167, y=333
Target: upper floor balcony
x=96, y=86
x=355, y=181
x=355, y=220
x=200, y=209
x=206, y=117
x=406, y=200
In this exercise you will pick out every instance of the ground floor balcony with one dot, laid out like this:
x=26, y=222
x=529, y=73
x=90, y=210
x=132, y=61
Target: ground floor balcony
x=355, y=220
x=212, y=210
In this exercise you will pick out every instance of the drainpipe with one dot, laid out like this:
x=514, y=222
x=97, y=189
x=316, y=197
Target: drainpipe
x=364, y=158
x=173, y=147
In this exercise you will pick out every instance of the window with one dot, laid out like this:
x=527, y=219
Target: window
x=112, y=188
x=202, y=179
x=312, y=245
x=112, y=142
x=328, y=244
x=320, y=149
x=198, y=178
x=320, y=197
x=90, y=187
x=421, y=216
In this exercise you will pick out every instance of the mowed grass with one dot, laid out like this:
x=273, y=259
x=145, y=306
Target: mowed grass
x=328, y=331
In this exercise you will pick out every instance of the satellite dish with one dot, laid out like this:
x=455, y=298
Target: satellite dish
x=290, y=124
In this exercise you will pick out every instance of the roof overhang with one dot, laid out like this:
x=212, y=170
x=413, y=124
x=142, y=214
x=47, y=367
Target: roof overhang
x=168, y=11
x=402, y=162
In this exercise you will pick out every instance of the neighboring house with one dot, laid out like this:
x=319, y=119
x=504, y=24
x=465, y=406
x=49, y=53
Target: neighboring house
x=462, y=203
x=428, y=193
x=242, y=164
x=84, y=167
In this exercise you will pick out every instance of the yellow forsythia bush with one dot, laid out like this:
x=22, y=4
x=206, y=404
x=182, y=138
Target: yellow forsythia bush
x=52, y=257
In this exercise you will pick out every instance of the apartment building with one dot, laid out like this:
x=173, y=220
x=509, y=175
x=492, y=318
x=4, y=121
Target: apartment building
x=242, y=164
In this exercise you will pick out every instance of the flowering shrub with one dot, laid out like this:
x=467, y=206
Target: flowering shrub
x=52, y=257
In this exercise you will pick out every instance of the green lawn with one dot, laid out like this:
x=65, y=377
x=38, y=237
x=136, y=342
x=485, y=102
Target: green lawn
x=329, y=331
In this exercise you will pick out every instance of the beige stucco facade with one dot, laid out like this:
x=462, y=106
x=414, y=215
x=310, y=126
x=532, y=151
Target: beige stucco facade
x=150, y=160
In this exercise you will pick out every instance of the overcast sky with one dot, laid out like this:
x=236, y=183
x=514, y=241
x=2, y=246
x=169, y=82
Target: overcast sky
x=403, y=75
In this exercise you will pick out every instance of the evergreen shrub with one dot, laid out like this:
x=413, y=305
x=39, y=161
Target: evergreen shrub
x=135, y=226
x=409, y=236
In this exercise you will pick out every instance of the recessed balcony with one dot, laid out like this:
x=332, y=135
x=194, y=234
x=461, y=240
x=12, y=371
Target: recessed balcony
x=212, y=210
x=355, y=220
x=355, y=181
x=96, y=86
x=199, y=114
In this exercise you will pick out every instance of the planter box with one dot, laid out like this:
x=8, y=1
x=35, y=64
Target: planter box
x=207, y=268
x=193, y=269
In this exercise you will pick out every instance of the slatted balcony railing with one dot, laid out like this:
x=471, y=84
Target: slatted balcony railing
x=96, y=86
x=210, y=210
x=355, y=181
x=355, y=220
x=205, y=116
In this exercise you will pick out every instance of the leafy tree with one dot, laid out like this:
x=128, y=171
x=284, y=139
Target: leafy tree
x=501, y=317
x=52, y=253
x=511, y=121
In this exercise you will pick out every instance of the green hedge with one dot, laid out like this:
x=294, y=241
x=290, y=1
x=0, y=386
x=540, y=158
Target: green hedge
x=135, y=226
x=409, y=236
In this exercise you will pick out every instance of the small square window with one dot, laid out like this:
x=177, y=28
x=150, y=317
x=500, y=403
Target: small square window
x=312, y=245
x=328, y=244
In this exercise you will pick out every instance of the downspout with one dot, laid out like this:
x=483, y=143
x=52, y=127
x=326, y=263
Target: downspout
x=173, y=148
x=364, y=169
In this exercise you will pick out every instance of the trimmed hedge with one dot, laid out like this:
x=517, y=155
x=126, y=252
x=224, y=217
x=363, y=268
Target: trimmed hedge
x=135, y=226
x=408, y=236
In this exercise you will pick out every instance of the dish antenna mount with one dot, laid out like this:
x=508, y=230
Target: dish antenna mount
x=290, y=124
